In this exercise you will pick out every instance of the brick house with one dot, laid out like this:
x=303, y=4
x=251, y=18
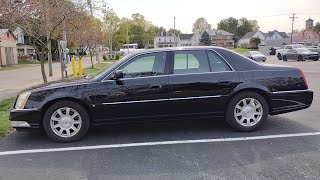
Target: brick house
x=8, y=48
x=221, y=38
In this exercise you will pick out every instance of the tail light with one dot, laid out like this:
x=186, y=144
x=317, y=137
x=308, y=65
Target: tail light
x=304, y=78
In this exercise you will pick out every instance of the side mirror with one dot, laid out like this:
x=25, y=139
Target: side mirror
x=118, y=74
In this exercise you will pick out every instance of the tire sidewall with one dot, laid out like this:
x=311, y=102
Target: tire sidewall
x=285, y=58
x=231, y=120
x=84, y=118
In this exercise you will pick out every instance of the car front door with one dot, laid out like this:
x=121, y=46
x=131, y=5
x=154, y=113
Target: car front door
x=139, y=95
x=292, y=54
x=199, y=83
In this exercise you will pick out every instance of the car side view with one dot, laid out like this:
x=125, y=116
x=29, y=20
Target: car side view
x=300, y=54
x=162, y=85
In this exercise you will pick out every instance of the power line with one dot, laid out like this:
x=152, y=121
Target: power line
x=293, y=17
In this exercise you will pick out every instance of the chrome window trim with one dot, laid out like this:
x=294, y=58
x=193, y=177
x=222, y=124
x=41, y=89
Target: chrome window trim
x=158, y=100
x=232, y=69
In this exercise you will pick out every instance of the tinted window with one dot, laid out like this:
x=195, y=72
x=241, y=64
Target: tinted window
x=190, y=62
x=152, y=64
x=288, y=47
x=217, y=63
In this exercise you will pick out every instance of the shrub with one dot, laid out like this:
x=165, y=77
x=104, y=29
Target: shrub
x=104, y=57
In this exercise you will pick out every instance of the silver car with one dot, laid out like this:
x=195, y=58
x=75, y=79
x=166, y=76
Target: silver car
x=256, y=56
x=300, y=54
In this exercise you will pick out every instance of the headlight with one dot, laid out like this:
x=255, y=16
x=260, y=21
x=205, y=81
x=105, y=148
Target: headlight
x=22, y=99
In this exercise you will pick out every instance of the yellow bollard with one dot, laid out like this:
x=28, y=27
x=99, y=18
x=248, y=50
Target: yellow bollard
x=80, y=67
x=73, y=65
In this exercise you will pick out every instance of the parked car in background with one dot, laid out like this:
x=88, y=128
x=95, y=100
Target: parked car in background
x=286, y=48
x=163, y=85
x=256, y=56
x=315, y=49
x=300, y=54
x=273, y=50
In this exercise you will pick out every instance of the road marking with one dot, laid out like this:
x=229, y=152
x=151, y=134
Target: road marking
x=33, y=151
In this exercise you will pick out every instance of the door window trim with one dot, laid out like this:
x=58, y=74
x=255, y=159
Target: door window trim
x=232, y=69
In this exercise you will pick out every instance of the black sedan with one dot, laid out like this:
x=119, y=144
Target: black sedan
x=300, y=54
x=162, y=85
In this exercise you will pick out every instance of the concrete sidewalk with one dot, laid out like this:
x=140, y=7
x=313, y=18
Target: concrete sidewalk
x=15, y=80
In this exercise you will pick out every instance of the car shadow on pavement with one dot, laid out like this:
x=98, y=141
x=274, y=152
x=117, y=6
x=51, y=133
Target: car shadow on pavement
x=156, y=131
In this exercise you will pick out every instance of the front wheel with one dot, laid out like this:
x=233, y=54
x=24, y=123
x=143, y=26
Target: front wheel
x=247, y=112
x=300, y=58
x=285, y=58
x=66, y=121
x=316, y=59
x=279, y=56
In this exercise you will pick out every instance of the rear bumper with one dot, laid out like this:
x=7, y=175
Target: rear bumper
x=288, y=101
x=25, y=118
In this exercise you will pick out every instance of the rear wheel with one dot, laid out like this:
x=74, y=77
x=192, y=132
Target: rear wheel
x=66, y=121
x=316, y=59
x=285, y=58
x=247, y=112
x=300, y=58
x=279, y=56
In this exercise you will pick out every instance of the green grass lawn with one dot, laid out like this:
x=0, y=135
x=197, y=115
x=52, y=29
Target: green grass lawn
x=96, y=68
x=4, y=116
x=241, y=50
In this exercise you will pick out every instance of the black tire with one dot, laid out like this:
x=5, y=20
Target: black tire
x=316, y=59
x=279, y=56
x=231, y=119
x=300, y=58
x=285, y=58
x=70, y=104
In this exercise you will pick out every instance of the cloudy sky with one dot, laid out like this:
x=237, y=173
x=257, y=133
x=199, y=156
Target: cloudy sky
x=271, y=14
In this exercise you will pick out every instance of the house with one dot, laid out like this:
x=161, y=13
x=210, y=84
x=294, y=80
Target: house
x=275, y=35
x=8, y=48
x=221, y=38
x=22, y=48
x=165, y=39
x=189, y=39
x=308, y=37
x=245, y=40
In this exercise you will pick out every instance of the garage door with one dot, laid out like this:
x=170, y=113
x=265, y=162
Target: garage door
x=9, y=56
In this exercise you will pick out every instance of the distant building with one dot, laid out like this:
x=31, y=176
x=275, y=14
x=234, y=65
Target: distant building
x=275, y=35
x=22, y=48
x=221, y=38
x=245, y=40
x=165, y=39
x=307, y=37
x=8, y=48
x=189, y=39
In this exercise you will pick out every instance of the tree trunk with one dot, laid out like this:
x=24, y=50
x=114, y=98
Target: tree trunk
x=43, y=71
x=91, y=60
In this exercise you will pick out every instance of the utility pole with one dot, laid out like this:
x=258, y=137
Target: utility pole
x=111, y=19
x=90, y=6
x=174, y=31
x=89, y=2
x=293, y=18
x=127, y=36
x=47, y=6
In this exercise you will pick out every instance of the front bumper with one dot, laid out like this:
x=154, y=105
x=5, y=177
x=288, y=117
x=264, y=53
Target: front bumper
x=25, y=118
x=311, y=57
x=288, y=101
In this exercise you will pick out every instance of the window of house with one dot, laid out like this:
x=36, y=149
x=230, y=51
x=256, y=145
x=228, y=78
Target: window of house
x=152, y=64
x=190, y=62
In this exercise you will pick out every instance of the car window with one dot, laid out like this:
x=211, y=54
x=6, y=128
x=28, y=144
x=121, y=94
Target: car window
x=288, y=47
x=152, y=64
x=291, y=51
x=190, y=62
x=217, y=63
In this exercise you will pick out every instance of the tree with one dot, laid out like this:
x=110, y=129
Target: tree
x=178, y=32
x=205, y=39
x=254, y=42
x=230, y=25
x=39, y=21
x=316, y=28
x=201, y=25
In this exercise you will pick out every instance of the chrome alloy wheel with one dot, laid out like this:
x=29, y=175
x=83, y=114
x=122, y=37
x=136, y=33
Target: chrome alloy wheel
x=65, y=122
x=248, y=112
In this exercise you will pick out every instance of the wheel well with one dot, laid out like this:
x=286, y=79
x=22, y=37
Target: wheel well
x=48, y=104
x=261, y=92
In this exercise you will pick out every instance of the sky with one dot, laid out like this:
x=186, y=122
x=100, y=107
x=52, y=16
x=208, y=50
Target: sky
x=271, y=14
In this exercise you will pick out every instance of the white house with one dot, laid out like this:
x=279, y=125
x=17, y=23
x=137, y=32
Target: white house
x=189, y=39
x=275, y=35
x=165, y=39
x=245, y=40
x=22, y=48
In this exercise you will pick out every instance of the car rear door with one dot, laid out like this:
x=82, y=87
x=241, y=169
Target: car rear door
x=141, y=94
x=200, y=81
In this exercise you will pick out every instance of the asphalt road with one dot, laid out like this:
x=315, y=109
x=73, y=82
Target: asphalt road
x=217, y=152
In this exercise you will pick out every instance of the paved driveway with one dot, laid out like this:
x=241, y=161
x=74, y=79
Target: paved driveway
x=287, y=147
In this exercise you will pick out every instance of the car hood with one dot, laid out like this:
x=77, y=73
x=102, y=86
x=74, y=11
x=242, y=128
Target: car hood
x=57, y=84
x=258, y=55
